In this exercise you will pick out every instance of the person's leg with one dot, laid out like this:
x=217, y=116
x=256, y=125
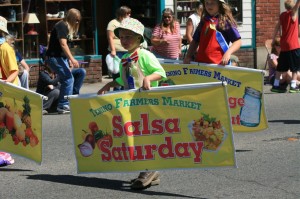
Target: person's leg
x=145, y=179
x=287, y=77
x=24, y=79
x=294, y=68
x=294, y=87
x=61, y=67
x=280, y=69
x=51, y=103
x=79, y=75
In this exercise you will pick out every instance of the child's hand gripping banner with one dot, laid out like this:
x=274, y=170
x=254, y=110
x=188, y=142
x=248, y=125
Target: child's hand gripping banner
x=186, y=126
x=20, y=122
x=245, y=90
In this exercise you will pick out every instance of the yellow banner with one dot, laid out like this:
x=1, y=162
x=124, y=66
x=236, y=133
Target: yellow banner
x=245, y=90
x=20, y=122
x=185, y=126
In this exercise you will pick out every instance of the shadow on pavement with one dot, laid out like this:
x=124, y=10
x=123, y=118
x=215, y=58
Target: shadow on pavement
x=99, y=183
x=8, y=170
x=285, y=121
x=242, y=150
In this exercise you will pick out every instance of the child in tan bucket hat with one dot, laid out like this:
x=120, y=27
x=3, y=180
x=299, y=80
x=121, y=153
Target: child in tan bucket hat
x=3, y=25
x=137, y=62
x=8, y=63
x=138, y=68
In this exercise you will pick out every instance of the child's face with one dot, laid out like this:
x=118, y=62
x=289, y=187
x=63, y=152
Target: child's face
x=129, y=40
x=212, y=7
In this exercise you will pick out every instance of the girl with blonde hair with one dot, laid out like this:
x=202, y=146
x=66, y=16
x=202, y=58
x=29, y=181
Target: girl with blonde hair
x=59, y=56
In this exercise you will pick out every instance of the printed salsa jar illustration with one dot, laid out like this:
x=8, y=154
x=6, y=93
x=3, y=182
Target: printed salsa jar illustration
x=250, y=112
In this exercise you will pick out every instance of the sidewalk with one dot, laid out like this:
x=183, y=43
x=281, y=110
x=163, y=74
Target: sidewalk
x=89, y=87
x=94, y=87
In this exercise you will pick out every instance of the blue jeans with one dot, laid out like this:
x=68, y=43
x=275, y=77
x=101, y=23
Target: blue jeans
x=24, y=79
x=79, y=75
x=61, y=67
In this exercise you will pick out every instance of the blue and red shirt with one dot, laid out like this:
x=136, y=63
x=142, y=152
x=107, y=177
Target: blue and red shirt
x=209, y=50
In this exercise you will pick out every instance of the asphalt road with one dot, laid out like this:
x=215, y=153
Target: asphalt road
x=268, y=165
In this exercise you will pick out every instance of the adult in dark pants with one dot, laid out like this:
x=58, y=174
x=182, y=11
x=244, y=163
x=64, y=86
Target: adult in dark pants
x=48, y=85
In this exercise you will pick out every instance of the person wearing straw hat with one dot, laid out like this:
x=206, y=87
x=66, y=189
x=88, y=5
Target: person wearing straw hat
x=8, y=63
x=216, y=30
x=138, y=68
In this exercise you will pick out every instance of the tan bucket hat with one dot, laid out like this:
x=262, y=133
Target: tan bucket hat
x=131, y=24
x=3, y=25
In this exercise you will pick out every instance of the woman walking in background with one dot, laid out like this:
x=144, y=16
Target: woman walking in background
x=114, y=43
x=166, y=38
x=193, y=21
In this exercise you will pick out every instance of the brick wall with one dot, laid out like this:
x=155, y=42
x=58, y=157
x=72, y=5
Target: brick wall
x=246, y=57
x=93, y=72
x=267, y=12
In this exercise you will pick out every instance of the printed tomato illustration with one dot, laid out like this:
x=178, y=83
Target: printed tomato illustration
x=28, y=132
x=107, y=138
x=93, y=127
x=34, y=140
x=93, y=137
x=16, y=121
x=9, y=121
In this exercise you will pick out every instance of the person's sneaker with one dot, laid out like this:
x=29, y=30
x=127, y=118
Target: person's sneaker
x=294, y=90
x=278, y=89
x=145, y=179
x=155, y=181
x=45, y=112
x=64, y=109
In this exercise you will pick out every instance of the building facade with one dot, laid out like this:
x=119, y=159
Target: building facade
x=256, y=22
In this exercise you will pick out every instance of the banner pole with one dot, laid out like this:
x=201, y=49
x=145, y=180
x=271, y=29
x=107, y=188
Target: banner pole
x=24, y=89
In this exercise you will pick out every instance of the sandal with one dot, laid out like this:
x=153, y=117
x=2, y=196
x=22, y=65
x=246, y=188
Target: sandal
x=145, y=180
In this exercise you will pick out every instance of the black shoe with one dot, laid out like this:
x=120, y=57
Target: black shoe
x=278, y=89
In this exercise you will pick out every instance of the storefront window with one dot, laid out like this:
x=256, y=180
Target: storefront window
x=237, y=10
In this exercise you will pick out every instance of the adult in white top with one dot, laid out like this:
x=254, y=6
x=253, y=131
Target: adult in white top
x=193, y=22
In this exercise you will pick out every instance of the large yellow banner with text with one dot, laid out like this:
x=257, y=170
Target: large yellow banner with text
x=20, y=122
x=245, y=90
x=166, y=127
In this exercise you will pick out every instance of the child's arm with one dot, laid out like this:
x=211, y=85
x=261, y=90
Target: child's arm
x=148, y=79
x=233, y=48
x=295, y=10
x=110, y=38
x=12, y=76
x=272, y=61
x=276, y=30
x=107, y=87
